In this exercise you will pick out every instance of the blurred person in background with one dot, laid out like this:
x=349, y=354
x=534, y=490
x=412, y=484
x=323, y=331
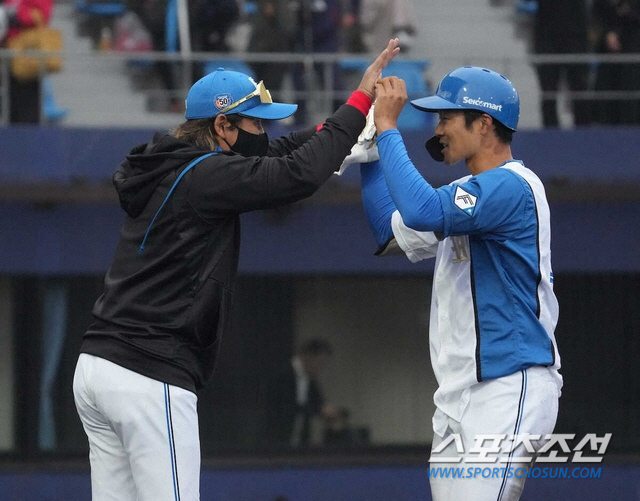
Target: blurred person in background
x=617, y=24
x=272, y=30
x=283, y=26
x=318, y=30
x=352, y=36
x=153, y=15
x=210, y=22
x=383, y=19
x=295, y=397
x=560, y=27
x=25, y=101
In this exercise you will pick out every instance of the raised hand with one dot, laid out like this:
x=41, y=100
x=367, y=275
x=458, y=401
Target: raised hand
x=391, y=96
x=374, y=71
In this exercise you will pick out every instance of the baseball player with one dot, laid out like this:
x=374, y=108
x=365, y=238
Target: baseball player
x=168, y=293
x=493, y=310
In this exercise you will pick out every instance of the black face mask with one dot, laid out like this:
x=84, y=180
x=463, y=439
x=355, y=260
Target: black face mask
x=251, y=145
x=434, y=148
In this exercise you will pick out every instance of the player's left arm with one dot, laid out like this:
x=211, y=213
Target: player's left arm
x=495, y=204
x=491, y=203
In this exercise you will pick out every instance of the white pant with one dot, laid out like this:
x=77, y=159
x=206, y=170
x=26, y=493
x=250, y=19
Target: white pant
x=143, y=434
x=524, y=402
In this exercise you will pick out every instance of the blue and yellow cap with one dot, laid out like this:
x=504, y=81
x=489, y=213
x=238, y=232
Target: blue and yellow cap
x=226, y=92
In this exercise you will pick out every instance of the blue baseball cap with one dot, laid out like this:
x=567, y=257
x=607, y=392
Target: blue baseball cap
x=227, y=92
x=475, y=88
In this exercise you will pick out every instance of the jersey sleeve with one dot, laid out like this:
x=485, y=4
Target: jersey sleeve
x=493, y=204
x=285, y=145
x=415, y=198
x=417, y=245
x=377, y=203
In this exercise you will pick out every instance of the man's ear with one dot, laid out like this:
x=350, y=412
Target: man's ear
x=487, y=122
x=220, y=123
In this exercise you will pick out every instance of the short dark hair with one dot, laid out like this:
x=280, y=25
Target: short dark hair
x=315, y=346
x=503, y=132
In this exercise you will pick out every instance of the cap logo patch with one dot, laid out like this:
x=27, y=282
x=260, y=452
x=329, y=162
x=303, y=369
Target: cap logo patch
x=223, y=100
x=465, y=201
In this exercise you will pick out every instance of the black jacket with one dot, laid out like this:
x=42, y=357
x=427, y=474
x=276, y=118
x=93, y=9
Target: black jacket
x=163, y=311
x=283, y=409
x=561, y=27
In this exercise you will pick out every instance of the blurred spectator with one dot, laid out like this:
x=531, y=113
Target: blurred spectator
x=153, y=14
x=24, y=95
x=561, y=28
x=96, y=18
x=272, y=30
x=618, y=31
x=303, y=27
x=352, y=36
x=385, y=19
x=318, y=25
x=294, y=397
x=210, y=22
x=130, y=34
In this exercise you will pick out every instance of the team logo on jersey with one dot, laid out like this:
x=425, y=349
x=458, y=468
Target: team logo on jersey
x=465, y=201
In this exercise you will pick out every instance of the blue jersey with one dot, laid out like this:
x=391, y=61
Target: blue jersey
x=493, y=310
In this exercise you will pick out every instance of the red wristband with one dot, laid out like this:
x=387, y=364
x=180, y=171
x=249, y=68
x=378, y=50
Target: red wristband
x=360, y=101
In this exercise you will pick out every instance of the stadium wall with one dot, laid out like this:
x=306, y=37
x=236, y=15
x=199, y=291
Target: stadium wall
x=60, y=215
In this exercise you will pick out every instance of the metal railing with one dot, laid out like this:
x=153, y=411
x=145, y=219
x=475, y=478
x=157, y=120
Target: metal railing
x=320, y=94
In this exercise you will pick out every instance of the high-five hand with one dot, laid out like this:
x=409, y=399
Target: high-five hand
x=391, y=96
x=374, y=71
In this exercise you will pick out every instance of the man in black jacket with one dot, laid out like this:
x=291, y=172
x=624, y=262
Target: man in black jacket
x=561, y=28
x=295, y=398
x=166, y=300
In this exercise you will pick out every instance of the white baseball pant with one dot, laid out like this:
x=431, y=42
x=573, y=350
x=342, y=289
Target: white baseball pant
x=523, y=402
x=143, y=434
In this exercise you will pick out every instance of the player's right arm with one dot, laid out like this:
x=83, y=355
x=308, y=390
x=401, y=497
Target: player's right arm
x=386, y=222
x=377, y=203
